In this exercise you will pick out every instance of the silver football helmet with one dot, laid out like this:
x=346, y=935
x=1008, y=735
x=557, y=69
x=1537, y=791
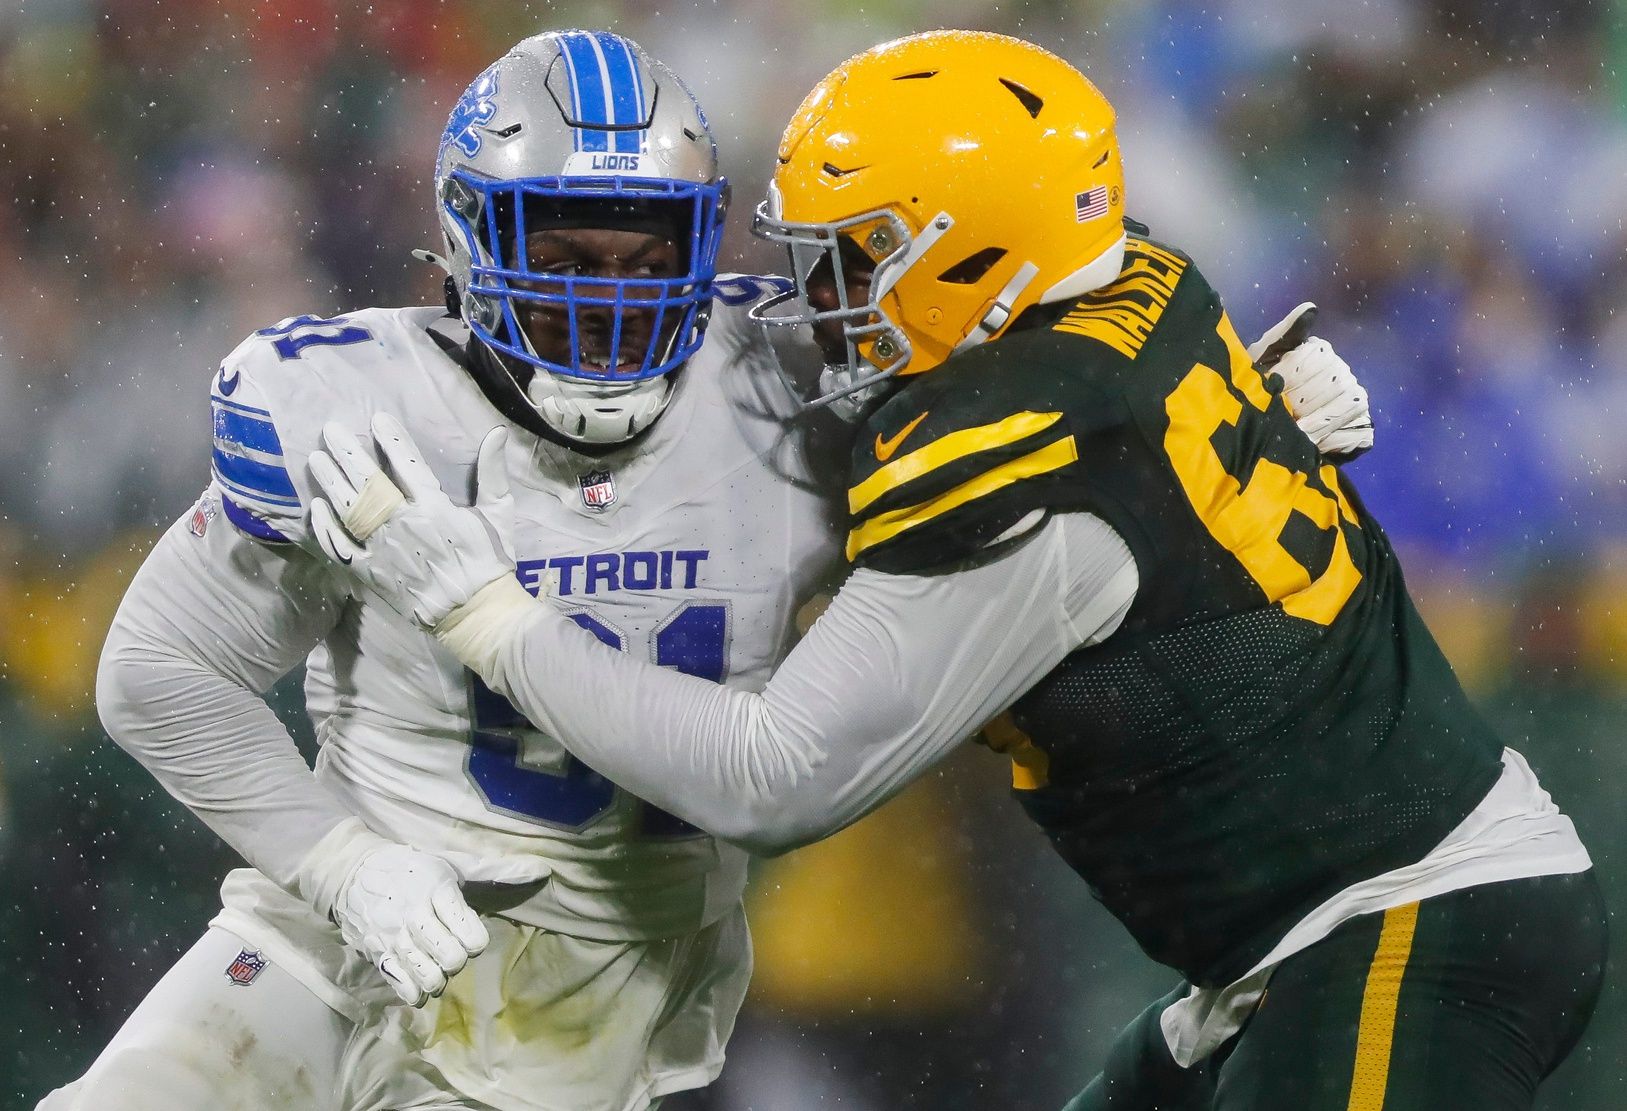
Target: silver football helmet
x=566, y=127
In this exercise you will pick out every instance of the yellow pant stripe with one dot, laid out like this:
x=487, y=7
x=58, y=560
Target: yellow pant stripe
x=888, y=525
x=1376, y=1035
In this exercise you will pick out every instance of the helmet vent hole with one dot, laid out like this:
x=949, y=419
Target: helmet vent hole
x=1030, y=102
x=690, y=135
x=916, y=76
x=973, y=267
x=1102, y=159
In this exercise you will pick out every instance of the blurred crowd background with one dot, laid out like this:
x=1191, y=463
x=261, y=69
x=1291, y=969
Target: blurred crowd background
x=1447, y=178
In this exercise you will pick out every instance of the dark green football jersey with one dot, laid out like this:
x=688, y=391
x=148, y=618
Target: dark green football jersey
x=1272, y=722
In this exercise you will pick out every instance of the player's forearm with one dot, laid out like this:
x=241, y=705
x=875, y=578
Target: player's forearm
x=207, y=623
x=219, y=750
x=897, y=672
x=708, y=753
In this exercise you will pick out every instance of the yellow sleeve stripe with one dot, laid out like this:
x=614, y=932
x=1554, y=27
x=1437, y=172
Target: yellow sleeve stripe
x=947, y=449
x=1030, y=764
x=888, y=525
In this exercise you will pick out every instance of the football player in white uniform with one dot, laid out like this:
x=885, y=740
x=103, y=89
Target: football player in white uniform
x=1080, y=500
x=657, y=492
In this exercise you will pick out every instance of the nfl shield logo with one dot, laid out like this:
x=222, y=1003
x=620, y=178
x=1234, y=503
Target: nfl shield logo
x=245, y=967
x=598, y=489
x=202, y=514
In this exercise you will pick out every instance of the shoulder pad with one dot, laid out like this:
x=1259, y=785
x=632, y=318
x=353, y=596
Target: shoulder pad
x=741, y=352
x=946, y=467
x=257, y=494
x=251, y=398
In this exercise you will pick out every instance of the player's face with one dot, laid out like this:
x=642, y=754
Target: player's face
x=596, y=253
x=857, y=269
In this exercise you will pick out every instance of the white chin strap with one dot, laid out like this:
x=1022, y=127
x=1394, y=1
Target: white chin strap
x=595, y=412
x=999, y=315
x=1095, y=274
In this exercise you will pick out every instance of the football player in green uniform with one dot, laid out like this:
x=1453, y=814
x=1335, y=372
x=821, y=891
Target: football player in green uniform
x=1080, y=511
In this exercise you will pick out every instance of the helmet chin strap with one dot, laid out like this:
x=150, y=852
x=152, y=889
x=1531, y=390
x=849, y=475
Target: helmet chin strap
x=433, y=259
x=1095, y=274
x=999, y=314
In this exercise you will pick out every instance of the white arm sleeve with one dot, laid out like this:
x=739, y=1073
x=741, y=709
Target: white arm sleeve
x=208, y=624
x=891, y=677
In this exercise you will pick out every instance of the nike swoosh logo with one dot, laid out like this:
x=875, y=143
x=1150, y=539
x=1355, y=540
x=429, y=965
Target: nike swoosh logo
x=885, y=448
x=228, y=386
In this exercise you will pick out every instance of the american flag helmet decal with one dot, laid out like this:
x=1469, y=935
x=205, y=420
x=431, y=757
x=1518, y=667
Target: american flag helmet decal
x=1091, y=204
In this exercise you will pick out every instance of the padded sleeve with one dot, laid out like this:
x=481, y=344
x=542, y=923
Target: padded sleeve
x=897, y=672
x=210, y=622
x=248, y=464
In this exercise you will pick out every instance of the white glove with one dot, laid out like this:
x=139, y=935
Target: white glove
x=1329, y=405
x=400, y=908
x=404, y=539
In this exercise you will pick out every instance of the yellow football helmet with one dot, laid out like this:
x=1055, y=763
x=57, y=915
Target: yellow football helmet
x=980, y=173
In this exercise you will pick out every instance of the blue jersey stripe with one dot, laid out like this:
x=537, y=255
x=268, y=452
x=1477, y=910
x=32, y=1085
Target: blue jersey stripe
x=234, y=427
x=254, y=479
x=249, y=523
x=279, y=506
x=587, y=79
x=238, y=407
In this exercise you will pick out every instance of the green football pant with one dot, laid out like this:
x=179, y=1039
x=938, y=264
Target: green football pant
x=1466, y=1000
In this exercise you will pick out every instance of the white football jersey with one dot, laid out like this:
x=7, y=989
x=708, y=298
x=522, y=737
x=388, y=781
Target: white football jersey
x=692, y=548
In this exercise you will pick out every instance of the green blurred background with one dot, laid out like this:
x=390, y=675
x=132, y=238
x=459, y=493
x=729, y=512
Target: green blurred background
x=1448, y=178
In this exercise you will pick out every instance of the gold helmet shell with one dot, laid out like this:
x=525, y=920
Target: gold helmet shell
x=979, y=172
